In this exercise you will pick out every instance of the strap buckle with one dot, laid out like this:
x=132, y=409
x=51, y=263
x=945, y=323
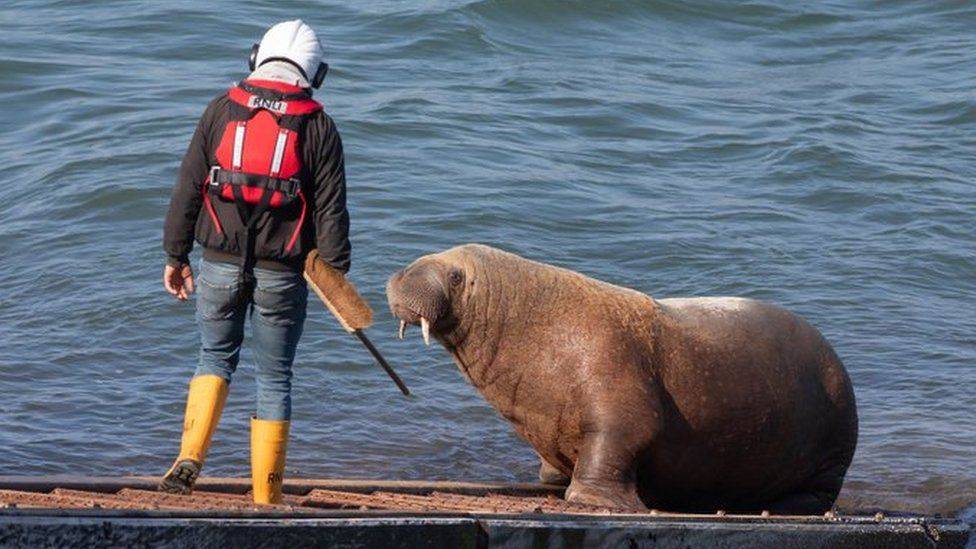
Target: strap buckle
x=213, y=178
x=290, y=187
x=293, y=187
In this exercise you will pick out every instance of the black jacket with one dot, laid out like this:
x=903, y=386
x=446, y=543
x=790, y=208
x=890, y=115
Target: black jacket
x=326, y=225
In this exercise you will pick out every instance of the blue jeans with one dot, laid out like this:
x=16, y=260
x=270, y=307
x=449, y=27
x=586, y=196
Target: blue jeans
x=276, y=326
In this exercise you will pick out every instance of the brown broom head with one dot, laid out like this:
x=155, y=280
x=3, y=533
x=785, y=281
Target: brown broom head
x=338, y=294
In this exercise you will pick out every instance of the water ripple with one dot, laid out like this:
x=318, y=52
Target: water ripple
x=816, y=155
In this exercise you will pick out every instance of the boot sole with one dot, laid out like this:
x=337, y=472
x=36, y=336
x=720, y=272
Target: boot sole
x=181, y=478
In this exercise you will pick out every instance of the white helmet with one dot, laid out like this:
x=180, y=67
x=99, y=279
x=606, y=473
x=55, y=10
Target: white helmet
x=293, y=42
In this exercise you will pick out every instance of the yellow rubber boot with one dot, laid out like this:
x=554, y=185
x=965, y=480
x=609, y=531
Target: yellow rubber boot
x=269, y=440
x=204, y=403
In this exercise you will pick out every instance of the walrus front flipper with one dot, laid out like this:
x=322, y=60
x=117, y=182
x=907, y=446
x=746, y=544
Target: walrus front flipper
x=605, y=474
x=617, y=433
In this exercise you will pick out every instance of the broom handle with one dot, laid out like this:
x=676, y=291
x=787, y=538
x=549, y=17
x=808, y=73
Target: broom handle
x=379, y=358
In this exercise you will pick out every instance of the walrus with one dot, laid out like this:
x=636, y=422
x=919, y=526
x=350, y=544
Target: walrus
x=690, y=404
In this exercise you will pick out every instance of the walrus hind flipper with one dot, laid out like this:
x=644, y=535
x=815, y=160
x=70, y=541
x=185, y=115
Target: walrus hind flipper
x=816, y=497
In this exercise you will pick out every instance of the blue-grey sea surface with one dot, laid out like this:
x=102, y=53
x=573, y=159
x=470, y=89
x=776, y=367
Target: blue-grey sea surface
x=815, y=154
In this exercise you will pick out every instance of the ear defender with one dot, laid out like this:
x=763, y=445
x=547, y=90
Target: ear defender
x=320, y=75
x=252, y=61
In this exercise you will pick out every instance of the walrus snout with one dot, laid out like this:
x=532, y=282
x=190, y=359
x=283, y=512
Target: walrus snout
x=418, y=295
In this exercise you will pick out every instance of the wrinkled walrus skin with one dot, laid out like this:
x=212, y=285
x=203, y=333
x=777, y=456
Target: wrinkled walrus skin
x=694, y=404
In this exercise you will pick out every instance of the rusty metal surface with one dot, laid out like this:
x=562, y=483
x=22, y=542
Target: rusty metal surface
x=202, y=500
x=435, y=501
x=312, y=497
x=141, y=499
x=462, y=515
x=444, y=501
x=137, y=499
x=295, y=486
x=319, y=498
x=383, y=513
x=61, y=500
x=334, y=499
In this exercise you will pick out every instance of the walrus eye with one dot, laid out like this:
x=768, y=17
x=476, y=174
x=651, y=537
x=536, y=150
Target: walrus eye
x=456, y=277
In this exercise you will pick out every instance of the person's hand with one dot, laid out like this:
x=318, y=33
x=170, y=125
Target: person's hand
x=178, y=281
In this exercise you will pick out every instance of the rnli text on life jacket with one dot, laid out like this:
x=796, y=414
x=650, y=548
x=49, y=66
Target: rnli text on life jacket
x=256, y=102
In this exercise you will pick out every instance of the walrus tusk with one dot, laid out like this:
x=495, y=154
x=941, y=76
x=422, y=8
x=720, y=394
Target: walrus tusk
x=403, y=328
x=425, y=328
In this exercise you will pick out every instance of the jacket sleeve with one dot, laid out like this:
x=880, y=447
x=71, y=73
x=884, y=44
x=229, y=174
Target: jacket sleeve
x=331, y=218
x=186, y=198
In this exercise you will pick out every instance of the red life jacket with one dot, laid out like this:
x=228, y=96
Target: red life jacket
x=259, y=156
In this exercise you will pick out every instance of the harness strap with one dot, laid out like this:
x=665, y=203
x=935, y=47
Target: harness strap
x=249, y=219
x=301, y=221
x=210, y=209
x=218, y=177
